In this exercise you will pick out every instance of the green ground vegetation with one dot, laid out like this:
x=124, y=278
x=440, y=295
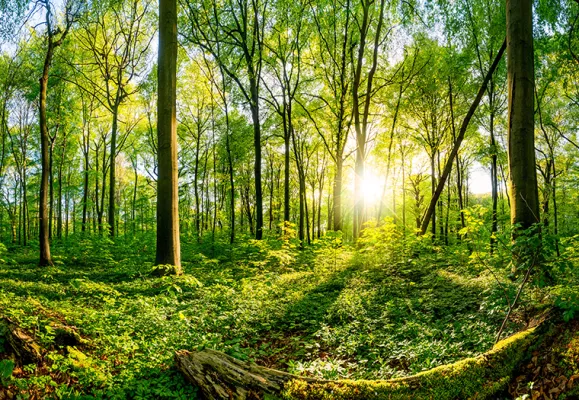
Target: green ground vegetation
x=387, y=309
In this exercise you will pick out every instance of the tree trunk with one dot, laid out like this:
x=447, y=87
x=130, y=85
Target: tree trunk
x=286, y=178
x=301, y=224
x=433, y=191
x=112, y=177
x=134, y=202
x=555, y=217
x=403, y=166
x=25, y=226
x=43, y=237
x=51, y=188
x=494, y=181
x=85, y=191
x=168, y=241
x=257, y=163
x=231, y=177
x=337, y=223
x=271, y=193
x=59, y=208
x=196, y=187
x=521, y=135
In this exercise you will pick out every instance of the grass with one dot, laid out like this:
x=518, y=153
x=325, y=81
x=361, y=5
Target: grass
x=328, y=311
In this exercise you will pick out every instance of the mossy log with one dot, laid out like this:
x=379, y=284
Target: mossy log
x=219, y=376
x=19, y=343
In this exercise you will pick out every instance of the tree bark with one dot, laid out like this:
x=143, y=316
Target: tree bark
x=168, y=242
x=521, y=134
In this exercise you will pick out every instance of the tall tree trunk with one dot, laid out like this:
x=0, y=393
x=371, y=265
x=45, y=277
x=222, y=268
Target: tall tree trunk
x=112, y=171
x=257, y=163
x=43, y=237
x=457, y=159
x=403, y=167
x=85, y=191
x=337, y=192
x=433, y=189
x=231, y=178
x=168, y=241
x=67, y=202
x=320, y=196
x=307, y=215
x=314, y=210
x=286, y=177
x=205, y=197
x=196, y=187
x=24, y=209
x=271, y=200
x=134, y=201
x=555, y=217
x=301, y=224
x=521, y=135
x=59, y=208
x=51, y=188
x=447, y=215
x=494, y=177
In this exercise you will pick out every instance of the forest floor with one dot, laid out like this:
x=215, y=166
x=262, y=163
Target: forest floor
x=327, y=311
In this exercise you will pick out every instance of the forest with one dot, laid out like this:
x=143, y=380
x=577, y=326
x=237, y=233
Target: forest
x=265, y=199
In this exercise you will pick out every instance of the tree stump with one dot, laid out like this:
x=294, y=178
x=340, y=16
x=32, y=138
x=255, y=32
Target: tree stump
x=19, y=343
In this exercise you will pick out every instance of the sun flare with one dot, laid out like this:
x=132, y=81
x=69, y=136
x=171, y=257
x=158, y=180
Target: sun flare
x=372, y=186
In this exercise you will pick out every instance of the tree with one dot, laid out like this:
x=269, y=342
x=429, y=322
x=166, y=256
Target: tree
x=362, y=97
x=284, y=57
x=118, y=40
x=332, y=56
x=168, y=245
x=55, y=36
x=233, y=33
x=521, y=135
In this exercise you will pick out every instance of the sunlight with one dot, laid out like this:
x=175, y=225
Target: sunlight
x=372, y=186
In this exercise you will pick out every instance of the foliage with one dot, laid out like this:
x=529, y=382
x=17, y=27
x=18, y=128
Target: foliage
x=329, y=312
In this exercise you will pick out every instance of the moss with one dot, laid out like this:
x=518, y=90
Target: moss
x=166, y=269
x=472, y=378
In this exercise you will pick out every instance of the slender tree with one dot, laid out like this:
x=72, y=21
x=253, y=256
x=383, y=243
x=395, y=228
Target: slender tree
x=55, y=36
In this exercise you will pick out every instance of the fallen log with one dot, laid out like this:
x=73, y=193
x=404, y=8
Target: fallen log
x=219, y=376
x=19, y=343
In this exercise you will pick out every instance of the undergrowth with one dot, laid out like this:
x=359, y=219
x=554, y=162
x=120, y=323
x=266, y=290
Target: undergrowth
x=395, y=306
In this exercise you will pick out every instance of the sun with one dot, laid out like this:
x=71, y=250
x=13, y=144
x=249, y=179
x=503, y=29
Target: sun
x=372, y=186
